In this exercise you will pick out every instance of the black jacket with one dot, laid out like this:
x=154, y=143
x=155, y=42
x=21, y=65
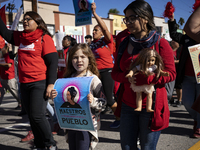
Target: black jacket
x=185, y=41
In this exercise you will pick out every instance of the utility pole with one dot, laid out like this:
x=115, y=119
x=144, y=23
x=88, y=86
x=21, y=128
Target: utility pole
x=35, y=5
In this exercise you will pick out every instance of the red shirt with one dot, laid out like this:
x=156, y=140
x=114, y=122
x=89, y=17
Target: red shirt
x=103, y=54
x=31, y=65
x=7, y=72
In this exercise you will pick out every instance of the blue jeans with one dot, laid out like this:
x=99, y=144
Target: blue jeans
x=191, y=91
x=134, y=124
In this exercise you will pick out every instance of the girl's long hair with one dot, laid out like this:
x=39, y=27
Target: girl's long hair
x=143, y=59
x=92, y=66
x=40, y=22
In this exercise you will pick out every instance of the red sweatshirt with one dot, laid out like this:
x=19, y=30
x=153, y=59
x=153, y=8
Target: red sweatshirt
x=159, y=121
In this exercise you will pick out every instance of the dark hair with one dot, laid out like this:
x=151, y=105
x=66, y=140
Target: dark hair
x=40, y=22
x=83, y=2
x=73, y=41
x=88, y=36
x=92, y=66
x=67, y=37
x=72, y=91
x=143, y=10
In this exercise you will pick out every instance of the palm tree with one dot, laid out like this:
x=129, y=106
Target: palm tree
x=113, y=11
x=10, y=8
x=181, y=21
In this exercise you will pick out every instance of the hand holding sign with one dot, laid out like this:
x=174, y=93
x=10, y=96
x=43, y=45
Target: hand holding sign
x=90, y=97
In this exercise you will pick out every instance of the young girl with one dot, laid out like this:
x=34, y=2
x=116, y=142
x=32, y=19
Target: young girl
x=148, y=62
x=81, y=63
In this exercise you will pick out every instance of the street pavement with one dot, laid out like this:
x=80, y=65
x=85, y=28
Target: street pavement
x=178, y=136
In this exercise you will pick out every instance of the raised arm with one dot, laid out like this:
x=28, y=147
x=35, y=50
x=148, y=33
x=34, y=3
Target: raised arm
x=192, y=26
x=178, y=37
x=101, y=23
x=5, y=33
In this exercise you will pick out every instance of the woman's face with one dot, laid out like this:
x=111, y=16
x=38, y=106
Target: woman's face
x=66, y=43
x=29, y=24
x=80, y=62
x=136, y=25
x=69, y=98
x=83, y=6
x=97, y=33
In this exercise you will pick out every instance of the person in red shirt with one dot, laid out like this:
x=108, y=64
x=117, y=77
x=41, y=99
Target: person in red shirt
x=37, y=67
x=68, y=42
x=102, y=47
x=140, y=23
x=7, y=73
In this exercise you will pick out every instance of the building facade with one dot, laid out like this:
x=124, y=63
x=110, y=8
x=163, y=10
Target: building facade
x=65, y=22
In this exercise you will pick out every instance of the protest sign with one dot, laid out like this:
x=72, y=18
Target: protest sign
x=61, y=57
x=83, y=12
x=71, y=104
x=195, y=57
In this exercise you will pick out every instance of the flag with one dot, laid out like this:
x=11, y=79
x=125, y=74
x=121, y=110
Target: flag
x=17, y=17
x=2, y=14
x=3, y=17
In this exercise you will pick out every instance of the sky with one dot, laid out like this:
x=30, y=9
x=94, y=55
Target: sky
x=183, y=8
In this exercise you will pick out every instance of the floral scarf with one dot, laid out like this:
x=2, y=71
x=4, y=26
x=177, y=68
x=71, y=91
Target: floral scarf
x=96, y=44
x=146, y=42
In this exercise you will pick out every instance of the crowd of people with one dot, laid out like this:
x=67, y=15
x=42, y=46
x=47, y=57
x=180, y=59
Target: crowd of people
x=135, y=74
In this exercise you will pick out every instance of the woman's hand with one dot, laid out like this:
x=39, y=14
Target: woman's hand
x=90, y=97
x=131, y=76
x=172, y=18
x=93, y=8
x=54, y=93
x=48, y=90
x=132, y=79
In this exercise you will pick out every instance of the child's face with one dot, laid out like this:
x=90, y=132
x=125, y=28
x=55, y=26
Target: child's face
x=151, y=61
x=80, y=62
